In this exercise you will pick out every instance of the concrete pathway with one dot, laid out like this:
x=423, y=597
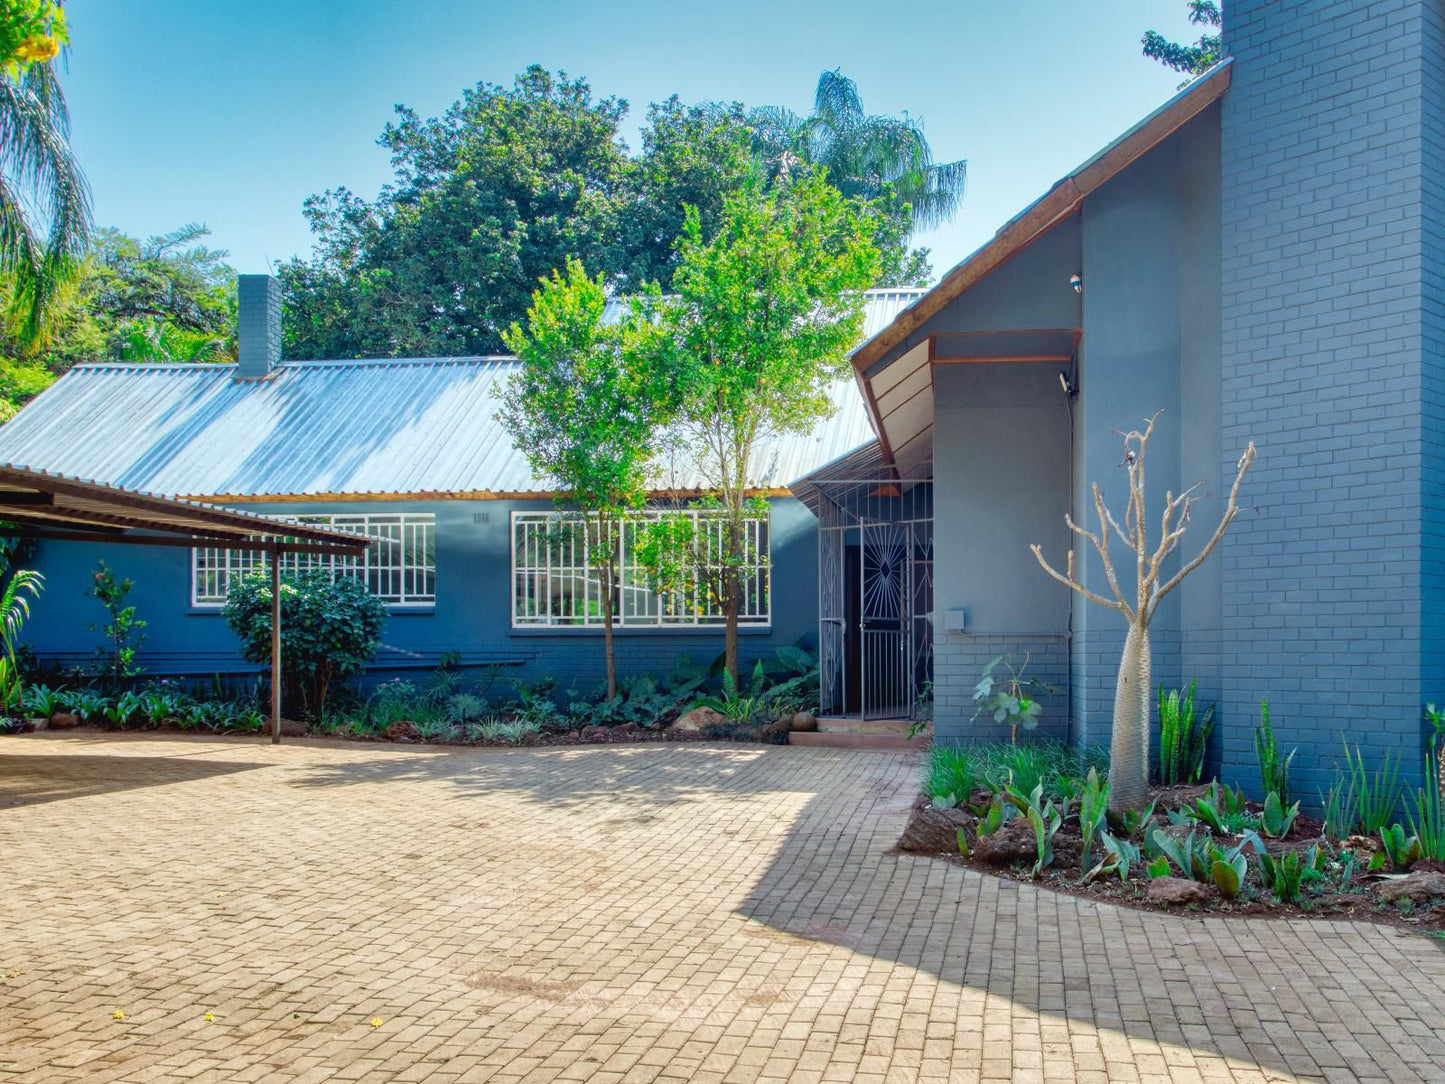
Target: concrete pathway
x=680, y=913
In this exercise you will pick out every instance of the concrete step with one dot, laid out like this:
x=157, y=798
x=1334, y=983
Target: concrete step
x=843, y=725
x=821, y=739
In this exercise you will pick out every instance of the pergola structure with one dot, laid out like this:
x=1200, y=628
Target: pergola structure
x=55, y=507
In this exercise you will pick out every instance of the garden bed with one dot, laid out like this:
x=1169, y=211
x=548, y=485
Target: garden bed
x=1172, y=856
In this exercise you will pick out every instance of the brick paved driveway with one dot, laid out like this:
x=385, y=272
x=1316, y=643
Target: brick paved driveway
x=703, y=913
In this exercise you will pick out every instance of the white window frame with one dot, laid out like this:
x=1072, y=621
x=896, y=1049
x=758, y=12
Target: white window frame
x=412, y=535
x=639, y=606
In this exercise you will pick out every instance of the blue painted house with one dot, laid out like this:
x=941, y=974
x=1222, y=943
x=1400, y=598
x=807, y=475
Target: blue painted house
x=409, y=452
x=1262, y=257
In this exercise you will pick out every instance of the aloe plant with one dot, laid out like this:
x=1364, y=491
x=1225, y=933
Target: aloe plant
x=1403, y=851
x=1278, y=820
x=1093, y=812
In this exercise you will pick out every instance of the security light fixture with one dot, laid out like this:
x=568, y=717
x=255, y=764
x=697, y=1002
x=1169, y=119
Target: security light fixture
x=1067, y=385
x=1077, y=283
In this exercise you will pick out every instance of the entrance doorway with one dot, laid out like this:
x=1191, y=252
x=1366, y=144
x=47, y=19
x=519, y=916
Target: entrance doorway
x=875, y=597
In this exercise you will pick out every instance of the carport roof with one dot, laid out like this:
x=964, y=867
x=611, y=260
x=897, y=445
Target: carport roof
x=44, y=504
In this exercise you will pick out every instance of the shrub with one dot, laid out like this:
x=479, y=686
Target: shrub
x=330, y=630
x=122, y=630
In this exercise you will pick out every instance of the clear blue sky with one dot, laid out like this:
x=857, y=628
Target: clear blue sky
x=231, y=112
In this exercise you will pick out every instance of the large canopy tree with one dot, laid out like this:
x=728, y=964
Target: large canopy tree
x=511, y=181
x=167, y=298
x=1192, y=58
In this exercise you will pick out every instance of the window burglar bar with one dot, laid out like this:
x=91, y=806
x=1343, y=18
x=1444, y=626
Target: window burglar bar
x=399, y=567
x=554, y=584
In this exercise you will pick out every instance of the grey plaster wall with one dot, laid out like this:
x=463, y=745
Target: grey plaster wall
x=1001, y=473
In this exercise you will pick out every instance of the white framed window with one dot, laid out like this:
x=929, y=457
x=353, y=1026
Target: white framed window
x=555, y=585
x=399, y=566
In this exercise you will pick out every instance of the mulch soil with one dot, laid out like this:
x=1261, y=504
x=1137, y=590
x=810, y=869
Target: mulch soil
x=1011, y=858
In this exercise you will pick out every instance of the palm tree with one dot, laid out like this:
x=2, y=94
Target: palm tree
x=44, y=199
x=867, y=156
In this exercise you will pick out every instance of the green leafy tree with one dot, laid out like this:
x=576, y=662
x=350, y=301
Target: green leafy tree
x=1196, y=58
x=169, y=298
x=766, y=312
x=488, y=198
x=44, y=200
x=122, y=629
x=870, y=157
x=586, y=409
x=330, y=630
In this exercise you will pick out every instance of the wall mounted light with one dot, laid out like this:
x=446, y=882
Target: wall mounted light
x=1077, y=283
x=1067, y=385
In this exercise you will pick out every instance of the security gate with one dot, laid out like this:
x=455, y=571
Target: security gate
x=875, y=595
x=882, y=622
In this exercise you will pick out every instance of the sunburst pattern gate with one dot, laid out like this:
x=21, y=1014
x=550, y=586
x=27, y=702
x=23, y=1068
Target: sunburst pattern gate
x=875, y=594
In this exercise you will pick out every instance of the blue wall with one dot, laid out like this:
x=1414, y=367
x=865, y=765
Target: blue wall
x=1332, y=356
x=472, y=615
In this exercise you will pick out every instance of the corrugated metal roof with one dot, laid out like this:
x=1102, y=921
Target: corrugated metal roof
x=423, y=426
x=417, y=426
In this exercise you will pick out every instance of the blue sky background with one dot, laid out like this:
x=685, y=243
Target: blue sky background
x=231, y=112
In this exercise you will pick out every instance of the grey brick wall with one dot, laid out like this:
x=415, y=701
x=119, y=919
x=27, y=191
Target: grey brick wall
x=958, y=662
x=1324, y=348
x=258, y=325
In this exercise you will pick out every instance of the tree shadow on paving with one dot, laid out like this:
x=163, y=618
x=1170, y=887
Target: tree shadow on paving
x=35, y=779
x=1304, y=998
x=639, y=775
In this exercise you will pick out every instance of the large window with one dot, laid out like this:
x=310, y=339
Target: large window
x=398, y=567
x=554, y=584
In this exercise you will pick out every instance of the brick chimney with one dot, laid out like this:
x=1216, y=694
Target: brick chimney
x=258, y=326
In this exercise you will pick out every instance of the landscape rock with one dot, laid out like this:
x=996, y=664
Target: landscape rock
x=39, y=722
x=699, y=719
x=805, y=721
x=1177, y=892
x=290, y=728
x=401, y=730
x=935, y=831
x=1014, y=842
x=1416, y=885
x=64, y=721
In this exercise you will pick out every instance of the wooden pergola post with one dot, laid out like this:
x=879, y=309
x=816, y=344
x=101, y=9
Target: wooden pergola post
x=275, y=645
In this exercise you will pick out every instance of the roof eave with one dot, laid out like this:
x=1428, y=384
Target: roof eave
x=1059, y=203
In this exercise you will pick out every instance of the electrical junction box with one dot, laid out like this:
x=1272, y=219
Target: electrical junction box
x=955, y=620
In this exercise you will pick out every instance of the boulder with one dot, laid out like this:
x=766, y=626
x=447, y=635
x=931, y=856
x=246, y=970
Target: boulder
x=805, y=721
x=290, y=728
x=1014, y=842
x=63, y=720
x=935, y=831
x=1416, y=885
x=1177, y=892
x=699, y=719
x=38, y=722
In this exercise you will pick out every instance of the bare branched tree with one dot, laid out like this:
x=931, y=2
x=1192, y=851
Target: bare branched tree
x=1129, y=743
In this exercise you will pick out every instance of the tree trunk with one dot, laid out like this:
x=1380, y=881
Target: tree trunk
x=1440, y=772
x=1129, y=743
x=608, y=590
x=730, y=639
